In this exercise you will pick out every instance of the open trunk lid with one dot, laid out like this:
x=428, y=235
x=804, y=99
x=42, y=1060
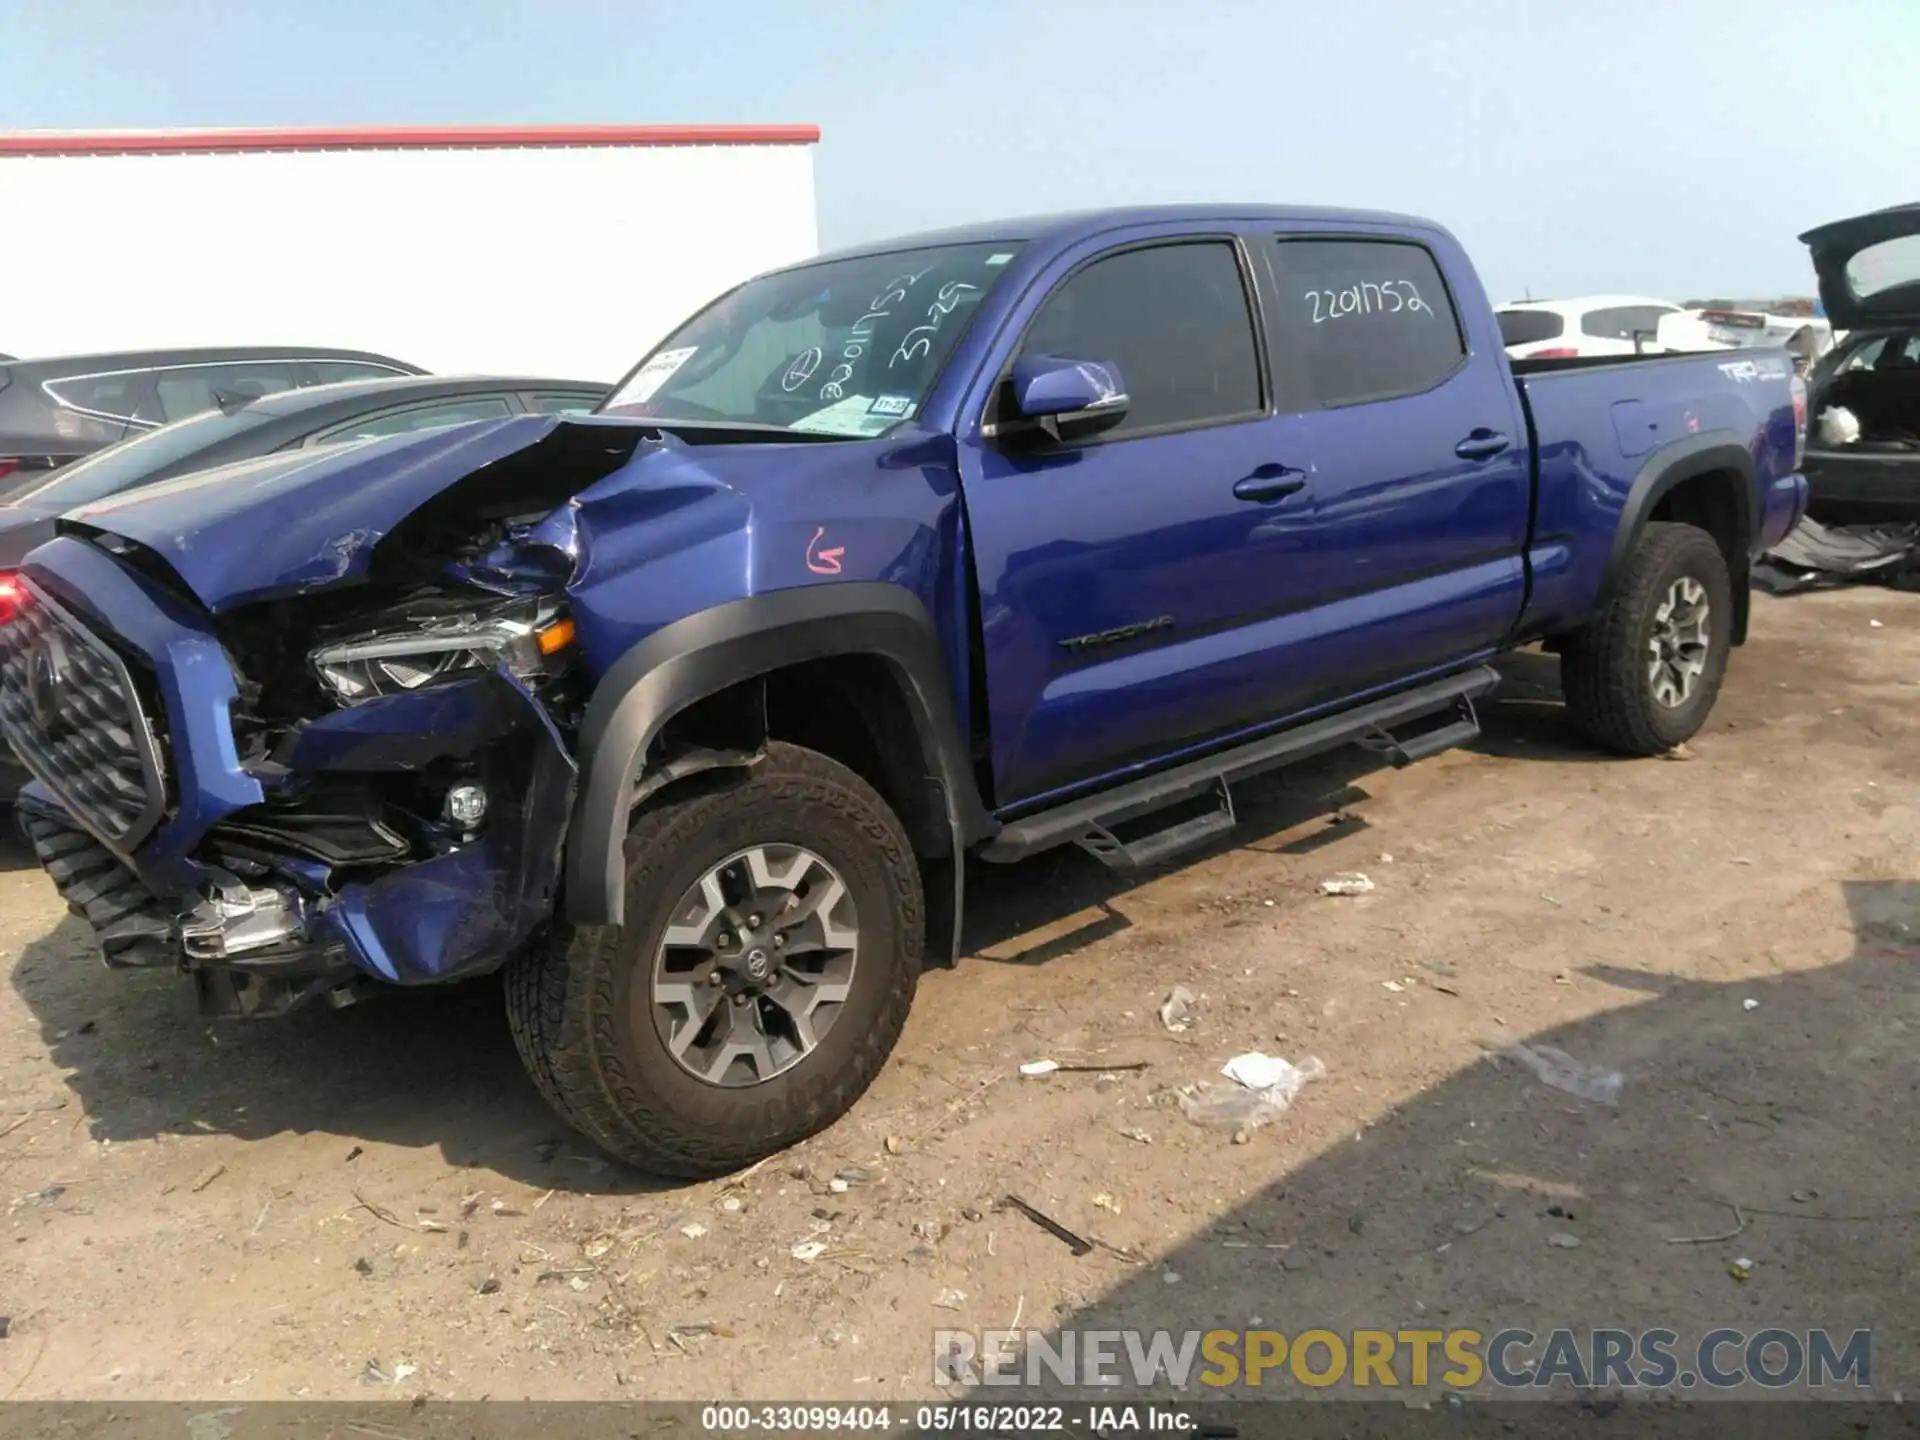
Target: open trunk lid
x=1869, y=267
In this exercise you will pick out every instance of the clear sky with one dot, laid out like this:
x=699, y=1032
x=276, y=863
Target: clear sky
x=1673, y=147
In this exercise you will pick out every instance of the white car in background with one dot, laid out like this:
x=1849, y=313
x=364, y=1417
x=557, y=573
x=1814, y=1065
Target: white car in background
x=1586, y=325
x=1808, y=336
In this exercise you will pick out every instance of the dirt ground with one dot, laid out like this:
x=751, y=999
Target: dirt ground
x=375, y=1203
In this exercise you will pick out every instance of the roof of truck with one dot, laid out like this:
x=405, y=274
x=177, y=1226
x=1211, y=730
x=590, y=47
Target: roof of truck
x=1072, y=225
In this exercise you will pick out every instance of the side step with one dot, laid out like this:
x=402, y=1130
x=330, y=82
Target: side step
x=1089, y=821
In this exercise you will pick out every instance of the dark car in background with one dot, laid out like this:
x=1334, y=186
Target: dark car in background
x=56, y=410
x=302, y=418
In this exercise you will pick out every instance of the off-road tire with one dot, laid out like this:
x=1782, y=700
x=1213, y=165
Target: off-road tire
x=597, y=1057
x=1603, y=667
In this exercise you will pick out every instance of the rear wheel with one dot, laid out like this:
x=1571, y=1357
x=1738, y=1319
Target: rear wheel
x=1644, y=673
x=770, y=953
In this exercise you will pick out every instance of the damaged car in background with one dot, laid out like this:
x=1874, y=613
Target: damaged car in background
x=1863, y=450
x=1863, y=457
x=686, y=715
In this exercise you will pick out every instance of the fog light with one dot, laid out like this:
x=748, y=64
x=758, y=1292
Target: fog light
x=466, y=805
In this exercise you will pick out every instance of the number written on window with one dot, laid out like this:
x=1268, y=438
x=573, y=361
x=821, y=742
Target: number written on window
x=1372, y=319
x=1368, y=297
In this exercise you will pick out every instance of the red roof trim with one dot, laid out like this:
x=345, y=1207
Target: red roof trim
x=406, y=137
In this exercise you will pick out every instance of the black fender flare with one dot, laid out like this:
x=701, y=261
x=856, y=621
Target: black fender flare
x=703, y=654
x=1674, y=464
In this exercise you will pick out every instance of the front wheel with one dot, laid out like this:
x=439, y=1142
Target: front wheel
x=770, y=952
x=1644, y=673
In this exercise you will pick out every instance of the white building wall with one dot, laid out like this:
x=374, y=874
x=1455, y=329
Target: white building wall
x=559, y=261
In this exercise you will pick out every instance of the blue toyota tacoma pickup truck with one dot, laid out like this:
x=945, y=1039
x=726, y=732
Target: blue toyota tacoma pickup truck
x=688, y=714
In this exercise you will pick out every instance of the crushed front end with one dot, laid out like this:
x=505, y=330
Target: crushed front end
x=298, y=797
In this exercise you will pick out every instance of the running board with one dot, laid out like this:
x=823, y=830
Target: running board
x=1089, y=821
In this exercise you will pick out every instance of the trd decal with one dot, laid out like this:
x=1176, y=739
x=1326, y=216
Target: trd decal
x=823, y=562
x=1118, y=633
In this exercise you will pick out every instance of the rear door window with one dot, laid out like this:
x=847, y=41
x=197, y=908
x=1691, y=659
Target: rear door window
x=1176, y=321
x=1364, y=319
x=190, y=389
x=1530, y=327
x=419, y=417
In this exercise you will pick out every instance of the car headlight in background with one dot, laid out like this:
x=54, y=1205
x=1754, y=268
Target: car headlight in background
x=527, y=637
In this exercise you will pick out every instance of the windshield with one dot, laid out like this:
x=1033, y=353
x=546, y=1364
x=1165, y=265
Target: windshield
x=132, y=461
x=849, y=348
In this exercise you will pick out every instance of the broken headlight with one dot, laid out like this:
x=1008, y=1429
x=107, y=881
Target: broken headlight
x=528, y=637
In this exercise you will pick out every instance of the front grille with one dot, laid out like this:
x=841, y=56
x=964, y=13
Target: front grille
x=71, y=711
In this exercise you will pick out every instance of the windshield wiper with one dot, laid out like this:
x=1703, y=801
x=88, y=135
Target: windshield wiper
x=730, y=427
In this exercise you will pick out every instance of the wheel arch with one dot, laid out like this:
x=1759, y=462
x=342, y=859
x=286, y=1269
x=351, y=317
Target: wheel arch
x=1708, y=481
x=880, y=628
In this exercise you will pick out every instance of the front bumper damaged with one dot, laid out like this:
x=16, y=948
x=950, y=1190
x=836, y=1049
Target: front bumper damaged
x=246, y=883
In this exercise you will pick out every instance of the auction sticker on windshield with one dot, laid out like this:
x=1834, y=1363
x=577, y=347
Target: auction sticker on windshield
x=651, y=376
x=853, y=417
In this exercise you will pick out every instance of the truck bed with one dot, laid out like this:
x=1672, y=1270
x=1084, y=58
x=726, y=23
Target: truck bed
x=1595, y=421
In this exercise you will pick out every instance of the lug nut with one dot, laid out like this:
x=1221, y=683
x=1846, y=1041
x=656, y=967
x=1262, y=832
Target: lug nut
x=716, y=978
x=753, y=922
x=779, y=941
x=722, y=940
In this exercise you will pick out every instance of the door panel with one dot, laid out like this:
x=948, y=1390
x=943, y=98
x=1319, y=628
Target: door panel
x=1130, y=600
x=1419, y=461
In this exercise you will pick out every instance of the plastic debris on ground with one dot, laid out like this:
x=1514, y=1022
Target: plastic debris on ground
x=1813, y=556
x=1563, y=1072
x=1039, y=1067
x=1267, y=1084
x=1181, y=1009
x=1749, y=1004
x=808, y=1251
x=1350, y=883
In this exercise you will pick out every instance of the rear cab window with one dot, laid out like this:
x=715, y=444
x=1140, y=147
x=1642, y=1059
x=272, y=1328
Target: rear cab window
x=1623, y=322
x=1360, y=319
x=1530, y=327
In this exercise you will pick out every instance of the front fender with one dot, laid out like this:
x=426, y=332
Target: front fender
x=703, y=654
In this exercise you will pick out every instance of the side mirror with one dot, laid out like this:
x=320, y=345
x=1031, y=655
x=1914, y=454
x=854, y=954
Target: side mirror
x=1069, y=398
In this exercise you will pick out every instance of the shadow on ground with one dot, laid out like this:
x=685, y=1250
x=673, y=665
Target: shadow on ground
x=1800, y=1112
x=439, y=1069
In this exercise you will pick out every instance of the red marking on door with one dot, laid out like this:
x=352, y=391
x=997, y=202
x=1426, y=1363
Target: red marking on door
x=823, y=562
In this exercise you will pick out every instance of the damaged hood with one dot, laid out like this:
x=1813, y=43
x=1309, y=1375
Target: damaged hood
x=293, y=523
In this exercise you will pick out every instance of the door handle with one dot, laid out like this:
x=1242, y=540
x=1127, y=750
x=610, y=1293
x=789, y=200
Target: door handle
x=1272, y=481
x=1482, y=444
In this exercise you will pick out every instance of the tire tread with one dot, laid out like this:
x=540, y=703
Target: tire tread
x=1601, y=667
x=563, y=998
